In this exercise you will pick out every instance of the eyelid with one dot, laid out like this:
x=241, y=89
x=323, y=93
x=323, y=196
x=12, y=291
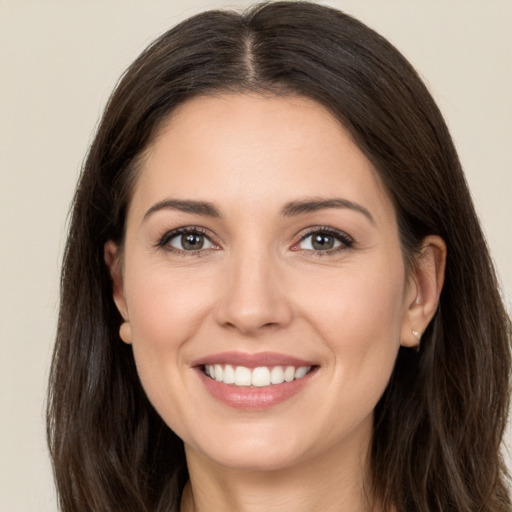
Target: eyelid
x=346, y=240
x=163, y=242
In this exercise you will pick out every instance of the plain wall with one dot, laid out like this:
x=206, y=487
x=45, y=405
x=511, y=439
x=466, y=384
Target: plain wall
x=59, y=60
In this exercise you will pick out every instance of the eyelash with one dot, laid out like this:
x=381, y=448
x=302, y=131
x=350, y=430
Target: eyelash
x=346, y=242
x=164, y=242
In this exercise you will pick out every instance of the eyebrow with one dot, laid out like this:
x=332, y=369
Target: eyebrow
x=291, y=209
x=198, y=207
x=300, y=207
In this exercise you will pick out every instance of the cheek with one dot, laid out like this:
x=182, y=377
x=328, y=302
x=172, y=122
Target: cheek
x=356, y=307
x=358, y=316
x=165, y=305
x=166, y=309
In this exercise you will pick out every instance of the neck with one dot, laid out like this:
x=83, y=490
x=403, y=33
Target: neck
x=331, y=482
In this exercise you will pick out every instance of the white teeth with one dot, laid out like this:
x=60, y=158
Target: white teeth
x=218, y=372
x=229, y=375
x=242, y=376
x=289, y=373
x=277, y=375
x=301, y=372
x=260, y=376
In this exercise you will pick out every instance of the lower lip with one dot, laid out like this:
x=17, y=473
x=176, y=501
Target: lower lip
x=253, y=398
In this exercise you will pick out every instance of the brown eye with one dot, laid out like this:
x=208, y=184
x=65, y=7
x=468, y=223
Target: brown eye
x=187, y=241
x=324, y=241
x=192, y=242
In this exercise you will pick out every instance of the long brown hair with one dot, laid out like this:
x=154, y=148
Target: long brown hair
x=439, y=426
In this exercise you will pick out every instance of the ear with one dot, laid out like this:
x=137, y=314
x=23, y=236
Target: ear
x=113, y=262
x=423, y=290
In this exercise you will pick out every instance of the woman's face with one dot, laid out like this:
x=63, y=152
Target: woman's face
x=262, y=248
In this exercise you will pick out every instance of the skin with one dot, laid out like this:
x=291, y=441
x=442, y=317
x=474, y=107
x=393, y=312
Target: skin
x=258, y=285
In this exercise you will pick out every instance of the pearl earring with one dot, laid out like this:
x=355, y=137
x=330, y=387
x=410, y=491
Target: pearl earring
x=418, y=337
x=125, y=332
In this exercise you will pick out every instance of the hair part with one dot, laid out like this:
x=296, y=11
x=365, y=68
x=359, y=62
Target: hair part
x=439, y=425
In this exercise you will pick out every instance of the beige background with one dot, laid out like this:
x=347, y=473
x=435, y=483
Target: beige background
x=59, y=61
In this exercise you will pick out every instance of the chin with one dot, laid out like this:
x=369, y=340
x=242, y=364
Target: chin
x=250, y=452
x=255, y=460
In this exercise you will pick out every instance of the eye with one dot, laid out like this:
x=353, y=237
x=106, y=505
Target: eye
x=186, y=240
x=324, y=240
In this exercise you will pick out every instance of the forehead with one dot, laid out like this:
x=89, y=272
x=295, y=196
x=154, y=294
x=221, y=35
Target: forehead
x=255, y=148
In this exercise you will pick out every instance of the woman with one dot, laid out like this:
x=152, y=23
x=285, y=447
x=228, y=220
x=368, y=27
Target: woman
x=276, y=293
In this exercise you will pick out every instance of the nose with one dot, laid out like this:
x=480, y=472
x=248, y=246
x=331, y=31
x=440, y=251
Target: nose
x=253, y=297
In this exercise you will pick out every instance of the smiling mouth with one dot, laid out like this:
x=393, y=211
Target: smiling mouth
x=261, y=376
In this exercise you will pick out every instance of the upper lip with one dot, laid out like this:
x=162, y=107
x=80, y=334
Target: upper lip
x=252, y=360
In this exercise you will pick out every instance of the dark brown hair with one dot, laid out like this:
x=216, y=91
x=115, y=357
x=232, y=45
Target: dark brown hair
x=439, y=426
